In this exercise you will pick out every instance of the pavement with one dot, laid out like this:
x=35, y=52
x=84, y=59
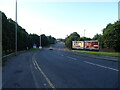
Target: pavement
x=59, y=68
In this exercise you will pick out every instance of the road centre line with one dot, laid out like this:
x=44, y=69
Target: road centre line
x=95, y=64
x=34, y=64
x=49, y=82
x=38, y=67
x=101, y=66
x=34, y=78
x=71, y=58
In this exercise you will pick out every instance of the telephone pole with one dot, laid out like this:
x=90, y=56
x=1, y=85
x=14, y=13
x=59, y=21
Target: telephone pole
x=84, y=32
x=40, y=40
x=16, y=28
x=119, y=11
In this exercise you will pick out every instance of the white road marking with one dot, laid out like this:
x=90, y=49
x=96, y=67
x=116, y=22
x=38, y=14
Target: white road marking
x=45, y=84
x=49, y=82
x=101, y=66
x=95, y=64
x=34, y=78
x=71, y=58
x=34, y=64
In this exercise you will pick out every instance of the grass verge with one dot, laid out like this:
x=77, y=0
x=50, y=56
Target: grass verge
x=113, y=54
x=35, y=49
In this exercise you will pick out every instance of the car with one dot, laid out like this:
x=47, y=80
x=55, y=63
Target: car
x=50, y=48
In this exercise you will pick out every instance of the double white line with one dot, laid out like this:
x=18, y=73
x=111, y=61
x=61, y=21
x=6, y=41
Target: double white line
x=38, y=67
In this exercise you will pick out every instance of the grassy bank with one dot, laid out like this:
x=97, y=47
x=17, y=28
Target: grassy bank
x=113, y=54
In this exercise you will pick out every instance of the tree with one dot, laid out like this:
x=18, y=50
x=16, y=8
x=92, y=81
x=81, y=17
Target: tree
x=84, y=39
x=72, y=37
x=96, y=37
x=110, y=37
x=45, y=41
x=24, y=39
x=51, y=39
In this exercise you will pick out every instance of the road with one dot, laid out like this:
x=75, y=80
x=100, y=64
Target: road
x=59, y=68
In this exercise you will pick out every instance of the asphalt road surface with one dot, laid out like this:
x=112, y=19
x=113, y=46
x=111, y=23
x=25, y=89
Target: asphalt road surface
x=58, y=68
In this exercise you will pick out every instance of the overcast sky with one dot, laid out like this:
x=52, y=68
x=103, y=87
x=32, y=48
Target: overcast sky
x=59, y=18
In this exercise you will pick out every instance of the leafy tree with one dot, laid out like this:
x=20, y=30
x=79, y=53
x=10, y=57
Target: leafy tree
x=111, y=37
x=44, y=40
x=96, y=37
x=84, y=39
x=24, y=39
x=72, y=37
x=51, y=39
x=33, y=39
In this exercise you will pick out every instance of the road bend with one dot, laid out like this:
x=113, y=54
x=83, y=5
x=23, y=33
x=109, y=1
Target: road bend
x=59, y=68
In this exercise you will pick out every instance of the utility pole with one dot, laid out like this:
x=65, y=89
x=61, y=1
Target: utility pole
x=0, y=50
x=84, y=32
x=119, y=11
x=40, y=40
x=16, y=29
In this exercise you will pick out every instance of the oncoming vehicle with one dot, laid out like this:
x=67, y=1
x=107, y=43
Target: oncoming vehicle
x=50, y=48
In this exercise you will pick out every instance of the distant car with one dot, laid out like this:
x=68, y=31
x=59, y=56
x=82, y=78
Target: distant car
x=50, y=48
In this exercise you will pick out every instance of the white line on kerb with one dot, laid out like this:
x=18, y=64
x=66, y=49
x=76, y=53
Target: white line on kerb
x=71, y=58
x=34, y=64
x=101, y=66
x=49, y=82
x=34, y=78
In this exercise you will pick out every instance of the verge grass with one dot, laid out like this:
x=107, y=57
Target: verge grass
x=113, y=54
x=35, y=49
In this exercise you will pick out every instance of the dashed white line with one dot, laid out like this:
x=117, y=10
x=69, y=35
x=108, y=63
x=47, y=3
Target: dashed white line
x=95, y=64
x=71, y=58
x=101, y=66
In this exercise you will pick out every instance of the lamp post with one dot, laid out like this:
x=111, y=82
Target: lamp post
x=16, y=28
x=119, y=11
x=84, y=32
x=40, y=40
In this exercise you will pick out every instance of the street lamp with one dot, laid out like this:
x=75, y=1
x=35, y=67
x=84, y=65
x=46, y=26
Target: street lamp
x=40, y=40
x=84, y=32
x=119, y=11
